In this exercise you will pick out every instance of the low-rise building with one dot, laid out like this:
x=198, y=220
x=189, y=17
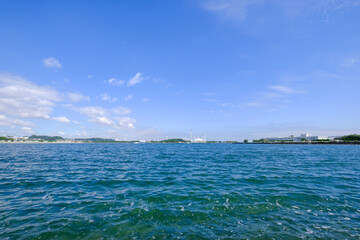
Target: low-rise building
x=302, y=137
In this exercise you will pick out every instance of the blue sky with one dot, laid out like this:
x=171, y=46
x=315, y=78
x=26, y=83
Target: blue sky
x=227, y=69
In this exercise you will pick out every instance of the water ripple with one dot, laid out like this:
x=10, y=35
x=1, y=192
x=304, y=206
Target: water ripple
x=186, y=191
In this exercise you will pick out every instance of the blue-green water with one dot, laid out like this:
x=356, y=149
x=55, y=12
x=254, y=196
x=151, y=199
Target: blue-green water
x=186, y=191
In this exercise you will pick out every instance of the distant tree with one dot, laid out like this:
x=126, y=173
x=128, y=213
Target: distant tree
x=352, y=137
x=303, y=139
x=6, y=139
x=45, y=138
x=246, y=141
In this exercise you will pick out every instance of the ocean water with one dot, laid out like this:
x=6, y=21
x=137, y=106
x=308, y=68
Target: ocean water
x=179, y=191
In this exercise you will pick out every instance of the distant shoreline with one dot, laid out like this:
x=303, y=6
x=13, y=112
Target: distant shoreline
x=307, y=143
x=248, y=143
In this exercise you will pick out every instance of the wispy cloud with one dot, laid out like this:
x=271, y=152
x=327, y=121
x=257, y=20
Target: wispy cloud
x=52, y=62
x=238, y=10
x=138, y=78
x=128, y=97
x=227, y=104
x=91, y=111
x=296, y=8
x=11, y=122
x=102, y=120
x=275, y=99
x=77, y=97
x=211, y=100
x=108, y=97
x=135, y=80
x=125, y=122
x=282, y=89
x=115, y=82
x=26, y=128
x=350, y=61
x=252, y=104
x=121, y=111
x=62, y=119
x=229, y=9
x=21, y=98
x=102, y=116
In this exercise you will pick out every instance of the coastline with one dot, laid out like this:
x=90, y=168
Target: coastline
x=248, y=143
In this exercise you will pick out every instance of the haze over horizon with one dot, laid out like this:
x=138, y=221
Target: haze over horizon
x=227, y=69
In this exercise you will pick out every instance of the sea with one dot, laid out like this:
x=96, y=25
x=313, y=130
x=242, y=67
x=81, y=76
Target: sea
x=179, y=191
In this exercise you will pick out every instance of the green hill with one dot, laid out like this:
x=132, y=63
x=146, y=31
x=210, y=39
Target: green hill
x=45, y=138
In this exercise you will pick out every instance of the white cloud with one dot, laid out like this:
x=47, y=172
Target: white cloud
x=91, y=111
x=77, y=97
x=21, y=98
x=282, y=89
x=62, y=119
x=107, y=97
x=102, y=120
x=135, y=80
x=61, y=133
x=52, y=62
x=145, y=99
x=115, y=82
x=10, y=122
x=128, y=97
x=101, y=116
x=125, y=122
x=121, y=111
x=76, y=122
x=28, y=130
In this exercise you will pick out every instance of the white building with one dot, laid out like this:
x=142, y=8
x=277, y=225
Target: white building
x=293, y=138
x=199, y=140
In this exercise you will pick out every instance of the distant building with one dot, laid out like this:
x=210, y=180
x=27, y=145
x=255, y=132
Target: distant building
x=302, y=137
x=199, y=140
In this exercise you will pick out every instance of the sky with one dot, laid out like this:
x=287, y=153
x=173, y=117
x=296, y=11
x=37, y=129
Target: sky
x=150, y=70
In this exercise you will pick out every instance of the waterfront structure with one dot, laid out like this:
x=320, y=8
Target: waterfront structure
x=293, y=138
x=199, y=140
